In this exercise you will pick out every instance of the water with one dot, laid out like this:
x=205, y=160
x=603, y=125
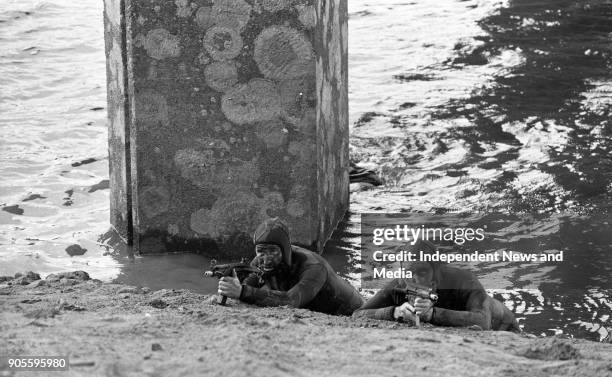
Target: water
x=466, y=105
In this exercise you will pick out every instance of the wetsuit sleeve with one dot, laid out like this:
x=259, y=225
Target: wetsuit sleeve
x=252, y=280
x=312, y=279
x=380, y=306
x=475, y=313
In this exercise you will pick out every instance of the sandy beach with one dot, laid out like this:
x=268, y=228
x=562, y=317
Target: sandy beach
x=470, y=105
x=120, y=330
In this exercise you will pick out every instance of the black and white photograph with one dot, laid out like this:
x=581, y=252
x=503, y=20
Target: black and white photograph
x=306, y=188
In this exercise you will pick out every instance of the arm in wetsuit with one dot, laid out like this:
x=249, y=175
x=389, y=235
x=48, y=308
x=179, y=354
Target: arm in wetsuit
x=253, y=280
x=312, y=278
x=481, y=310
x=476, y=311
x=381, y=305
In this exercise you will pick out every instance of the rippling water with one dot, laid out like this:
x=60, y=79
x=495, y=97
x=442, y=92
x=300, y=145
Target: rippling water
x=463, y=106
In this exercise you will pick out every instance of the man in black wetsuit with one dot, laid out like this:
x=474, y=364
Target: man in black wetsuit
x=462, y=301
x=291, y=276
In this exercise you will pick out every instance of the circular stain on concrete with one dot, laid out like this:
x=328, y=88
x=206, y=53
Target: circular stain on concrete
x=222, y=43
x=283, y=53
x=234, y=14
x=221, y=76
x=273, y=133
x=258, y=100
x=160, y=44
x=154, y=201
x=275, y=5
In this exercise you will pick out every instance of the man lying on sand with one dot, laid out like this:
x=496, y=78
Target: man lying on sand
x=291, y=276
x=462, y=301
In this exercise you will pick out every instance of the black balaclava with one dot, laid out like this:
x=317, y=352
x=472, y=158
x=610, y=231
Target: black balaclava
x=274, y=231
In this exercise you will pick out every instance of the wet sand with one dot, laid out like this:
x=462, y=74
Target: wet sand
x=506, y=107
x=119, y=330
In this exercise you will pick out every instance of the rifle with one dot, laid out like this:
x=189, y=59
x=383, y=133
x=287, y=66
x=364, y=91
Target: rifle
x=242, y=270
x=414, y=290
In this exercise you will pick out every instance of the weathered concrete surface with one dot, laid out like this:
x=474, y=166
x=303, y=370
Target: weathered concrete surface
x=237, y=112
x=332, y=105
x=118, y=130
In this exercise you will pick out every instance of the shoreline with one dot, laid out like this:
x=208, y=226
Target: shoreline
x=119, y=330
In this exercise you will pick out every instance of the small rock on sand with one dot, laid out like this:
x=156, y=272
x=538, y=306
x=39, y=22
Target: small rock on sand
x=37, y=283
x=25, y=278
x=158, y=304
x=68, y=282
x=131, y=290
x=74, y=275
x=48, y=312
x=156, y=347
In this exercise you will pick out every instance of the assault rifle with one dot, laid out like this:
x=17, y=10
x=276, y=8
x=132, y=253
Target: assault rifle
x=242, y=269
x=413, y=290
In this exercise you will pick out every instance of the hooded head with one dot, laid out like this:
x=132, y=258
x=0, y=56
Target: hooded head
x=424, y=273
x=274, y=232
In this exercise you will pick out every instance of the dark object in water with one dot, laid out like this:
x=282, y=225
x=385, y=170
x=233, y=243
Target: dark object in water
x=68, y=199
x=361, y=175
x=14, y=209
x=83, y=162
x=456, y=173
x=367, y=118
x=33, y=197
x=75, y=249
x=407, y=105
x=102, y=185
x=415, y=77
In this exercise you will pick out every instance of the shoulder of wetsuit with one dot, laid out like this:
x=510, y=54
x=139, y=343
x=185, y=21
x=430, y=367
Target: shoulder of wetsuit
x=302, y=258
x=305, y=256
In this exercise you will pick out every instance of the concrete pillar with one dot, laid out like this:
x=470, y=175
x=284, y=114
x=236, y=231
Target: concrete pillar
x=223, y=113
